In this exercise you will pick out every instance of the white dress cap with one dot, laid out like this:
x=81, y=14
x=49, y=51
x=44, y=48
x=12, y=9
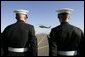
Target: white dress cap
x=65, y=10
x=21, y=11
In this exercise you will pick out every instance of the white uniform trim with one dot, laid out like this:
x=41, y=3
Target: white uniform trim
x=67, y=53
x=17, y=49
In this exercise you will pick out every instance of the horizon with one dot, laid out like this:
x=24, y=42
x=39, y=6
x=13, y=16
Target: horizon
x=42, y=13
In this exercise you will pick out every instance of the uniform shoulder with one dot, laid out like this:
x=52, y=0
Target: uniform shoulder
x=29, y=25
x=7, y=27
x=56, y=27
x=10, y=25
x=77, y=29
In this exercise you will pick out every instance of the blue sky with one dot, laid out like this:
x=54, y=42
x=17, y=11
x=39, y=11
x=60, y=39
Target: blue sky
x=42, y=13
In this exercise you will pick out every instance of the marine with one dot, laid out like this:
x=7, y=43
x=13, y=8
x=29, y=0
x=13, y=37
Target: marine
x=65, y=39
x=19, y=39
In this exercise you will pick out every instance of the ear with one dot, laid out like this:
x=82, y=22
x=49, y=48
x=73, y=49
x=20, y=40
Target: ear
x=58, y=16
x=16, y=17
x=69, y=17
x=26, y=16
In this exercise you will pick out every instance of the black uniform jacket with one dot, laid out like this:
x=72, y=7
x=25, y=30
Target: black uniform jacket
x=20, y=35
x=64, y=37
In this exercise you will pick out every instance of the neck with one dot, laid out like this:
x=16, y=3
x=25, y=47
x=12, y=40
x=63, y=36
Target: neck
x=23, y=20
x=20, y=20
x=61, y=20
x=64, y=22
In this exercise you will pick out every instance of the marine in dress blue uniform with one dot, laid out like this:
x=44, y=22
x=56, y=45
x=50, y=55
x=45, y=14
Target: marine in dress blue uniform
x=65, y=38
x=19, y=39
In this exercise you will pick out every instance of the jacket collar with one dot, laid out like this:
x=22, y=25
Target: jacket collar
x=20, y=21
x=64, y=23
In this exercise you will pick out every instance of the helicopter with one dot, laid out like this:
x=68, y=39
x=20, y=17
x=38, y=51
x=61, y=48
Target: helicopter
x=42, y=26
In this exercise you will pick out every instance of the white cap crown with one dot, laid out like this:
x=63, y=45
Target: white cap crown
x=65, y=10
x=21, y=11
